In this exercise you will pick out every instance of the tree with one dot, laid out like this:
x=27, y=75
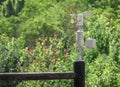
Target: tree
x=12, y=7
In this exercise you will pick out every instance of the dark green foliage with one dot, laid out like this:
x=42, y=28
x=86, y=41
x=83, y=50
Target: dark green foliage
x=12, y=7
x=1, y=1
x=8, y=9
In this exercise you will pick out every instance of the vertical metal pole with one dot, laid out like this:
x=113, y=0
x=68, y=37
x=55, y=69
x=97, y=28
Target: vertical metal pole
x=79, y=43
x=80, y=54
x=80, y=36
x=79, y=70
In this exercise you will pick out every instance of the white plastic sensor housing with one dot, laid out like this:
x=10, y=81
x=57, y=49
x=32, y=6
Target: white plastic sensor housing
x=79, y=39
x=80, y=19
x=90, y=43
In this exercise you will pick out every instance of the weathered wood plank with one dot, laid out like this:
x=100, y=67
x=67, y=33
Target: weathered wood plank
x=37, y=76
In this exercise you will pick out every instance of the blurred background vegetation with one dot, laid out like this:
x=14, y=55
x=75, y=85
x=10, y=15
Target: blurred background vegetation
x=37, y=36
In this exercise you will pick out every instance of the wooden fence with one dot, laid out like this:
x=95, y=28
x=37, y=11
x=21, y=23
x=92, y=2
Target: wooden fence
x=78, y=75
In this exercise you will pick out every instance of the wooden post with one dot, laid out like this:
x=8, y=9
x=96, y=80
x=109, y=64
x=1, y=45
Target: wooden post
x=79, y=70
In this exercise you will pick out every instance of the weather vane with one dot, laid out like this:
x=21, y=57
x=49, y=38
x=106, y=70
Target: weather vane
x=90, y=43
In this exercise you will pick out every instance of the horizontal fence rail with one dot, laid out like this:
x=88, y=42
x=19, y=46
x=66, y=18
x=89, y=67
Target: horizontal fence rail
x=78, y=75
x=37, y=76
